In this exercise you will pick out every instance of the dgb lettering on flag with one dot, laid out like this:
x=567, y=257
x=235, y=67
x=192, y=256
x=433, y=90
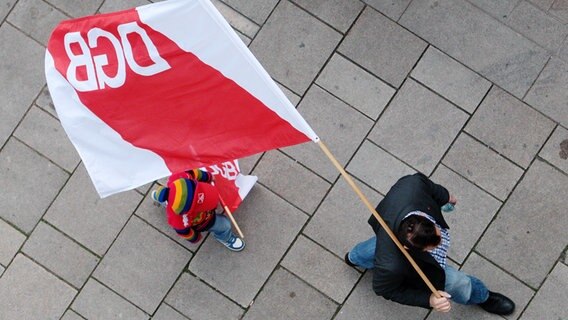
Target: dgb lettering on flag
x=96, y=75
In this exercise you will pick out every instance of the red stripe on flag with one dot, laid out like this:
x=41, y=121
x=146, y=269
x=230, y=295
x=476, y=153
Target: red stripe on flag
x=190, y=115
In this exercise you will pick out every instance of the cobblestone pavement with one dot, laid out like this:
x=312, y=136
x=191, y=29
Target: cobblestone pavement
x=472, y=93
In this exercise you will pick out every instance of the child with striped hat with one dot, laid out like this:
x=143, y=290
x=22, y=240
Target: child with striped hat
x=190, y=201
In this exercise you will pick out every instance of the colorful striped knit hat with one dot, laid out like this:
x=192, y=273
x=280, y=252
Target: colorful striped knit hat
x=181, y=195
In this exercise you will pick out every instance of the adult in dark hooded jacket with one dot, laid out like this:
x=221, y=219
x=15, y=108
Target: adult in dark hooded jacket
x=412, y=210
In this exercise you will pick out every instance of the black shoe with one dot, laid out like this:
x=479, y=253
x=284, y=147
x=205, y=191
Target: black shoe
x=498, y=304
x=351, y=264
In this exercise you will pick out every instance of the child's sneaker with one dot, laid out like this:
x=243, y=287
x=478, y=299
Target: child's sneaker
x=234, y=243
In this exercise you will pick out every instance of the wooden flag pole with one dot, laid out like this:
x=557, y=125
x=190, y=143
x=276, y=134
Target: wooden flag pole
x=378, y=217
x=230, y=216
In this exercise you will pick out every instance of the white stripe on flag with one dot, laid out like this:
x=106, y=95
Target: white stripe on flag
x=245, y=183
x=123, y=166
x=210, y=45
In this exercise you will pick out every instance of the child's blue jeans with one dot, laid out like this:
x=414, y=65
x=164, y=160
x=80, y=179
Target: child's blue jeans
x=221, y=229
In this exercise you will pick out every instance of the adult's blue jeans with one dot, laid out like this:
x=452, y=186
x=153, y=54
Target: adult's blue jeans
x=463, y=288
x=221, y=228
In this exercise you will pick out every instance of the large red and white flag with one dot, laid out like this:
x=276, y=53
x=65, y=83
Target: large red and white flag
x=162, y=88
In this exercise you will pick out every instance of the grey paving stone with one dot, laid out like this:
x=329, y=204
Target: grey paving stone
x=142, y=265
x=499, y=9
x=510, y=127
x=483, y=166
x=247, y=164
x=60, y=254
x=80, y=213
x=18, y=92
x=156, y=216
x=496, y=280
x=293, y=46
x=30, y=182
x=2, y=270
x=563, y=51
x=291, y=181
x=382, y=47
x=474, y=211
x=97, y=302
x=117, y=5
x=390, y=8
x=166, y=312
x=483, y=44
x=269, y=225
x=341, y=221
x=321, y=269
x=77, y=8
x=196, y=300
x=44, y=101
x=550, y=91
x=377, y=168
x=543, y=4
x=30, y=292
x=286, y=297
x=555, y=150
x=451, y=79
x=143, y=189
x=340, y=14
x=339, y=126
x=550, y=301
x=418, y=126
x=10, y=242
x=71, y=315
x=36, y=18
x=5, y=7
x=514, y=240
x=560, y=10
x=499, y=281
x=294, y=98
x=45, y=134
x=459, y=312
x=246, y=40
x=538, y=26
x=355, y=86
x=236, y=20
x=162, y=181
x=256, y=10
x=363, y=303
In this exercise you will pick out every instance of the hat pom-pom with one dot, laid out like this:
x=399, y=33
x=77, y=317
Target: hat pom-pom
x=160, y=194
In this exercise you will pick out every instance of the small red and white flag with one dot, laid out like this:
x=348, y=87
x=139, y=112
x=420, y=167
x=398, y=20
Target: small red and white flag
x=163, y=88
x=233, y=186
